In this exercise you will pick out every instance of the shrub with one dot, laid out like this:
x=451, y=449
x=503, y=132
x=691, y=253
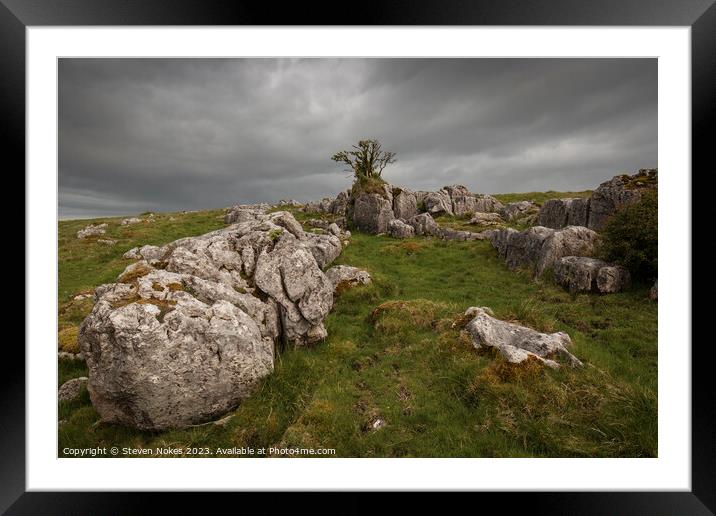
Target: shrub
x=630, y=238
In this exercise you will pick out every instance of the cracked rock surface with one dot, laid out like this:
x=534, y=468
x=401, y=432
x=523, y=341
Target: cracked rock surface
x=517, y=343
x=188, y=331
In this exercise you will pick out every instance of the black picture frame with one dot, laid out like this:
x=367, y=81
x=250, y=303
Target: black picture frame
x=700, y=15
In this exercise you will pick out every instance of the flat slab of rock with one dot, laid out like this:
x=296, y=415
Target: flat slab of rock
x=71, y=389
x=517, y=343
x=583, y=274
x=342, y=276
x=131, y=220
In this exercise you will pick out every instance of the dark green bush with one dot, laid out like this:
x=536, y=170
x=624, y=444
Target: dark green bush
x=630, y=238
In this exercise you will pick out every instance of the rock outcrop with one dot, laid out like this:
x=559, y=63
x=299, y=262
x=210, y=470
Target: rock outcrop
x=187, y=332
x=538, y=248
x=583, y=274
x=92, y=230
x=517, y=343
x=131, y=220
x=593, y=212
x=618, y=193
x=559, y=213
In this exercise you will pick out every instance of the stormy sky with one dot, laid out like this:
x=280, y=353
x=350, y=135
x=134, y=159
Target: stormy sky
x=182, y=134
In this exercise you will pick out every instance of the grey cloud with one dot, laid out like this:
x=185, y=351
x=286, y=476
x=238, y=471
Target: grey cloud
x=174, y=134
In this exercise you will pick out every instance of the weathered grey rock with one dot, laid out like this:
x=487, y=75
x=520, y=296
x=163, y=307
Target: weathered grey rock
x=333, y=229
x=189, y=366
x=290, y=275
x=146, y=252
x=456, y=234
x=424, y=225
x=570, y=241
x=245, y=213
x=486, y=203
x=288, y=202
x=405, y=204
x=372, y=213
x=560, y=213
x=654, y=292
x=518, y=210
x=517, y=343
x=538, y=248
x=131, y=220
x=71, y=389
x=463, y=202
x=322, y=206
x=106, y=241
x=437, y=203
x=324, y=248
x=613, y=278
x=583, y=274
x=339, y=206
x=181, y=340
x=318, y=223
x=616, y=194
x=399, y=229
x=92, y=230
x=345, y=275
x=486, y=219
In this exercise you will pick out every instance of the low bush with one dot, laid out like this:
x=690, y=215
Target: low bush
x=630, y=238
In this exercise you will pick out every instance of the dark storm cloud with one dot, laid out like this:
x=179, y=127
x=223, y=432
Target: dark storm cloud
x=175, y=134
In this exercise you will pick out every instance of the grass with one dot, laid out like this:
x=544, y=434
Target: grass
x=396, y=352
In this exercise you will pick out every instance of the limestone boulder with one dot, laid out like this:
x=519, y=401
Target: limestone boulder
x=405, y=204
x=180, y=340
x=438, y=203
x=397, y=228
x=372, y=212
x=424, y=225
x=517, y=343
x=71, y=389
x=92, y=230
x=538, y=248
x=584, y=274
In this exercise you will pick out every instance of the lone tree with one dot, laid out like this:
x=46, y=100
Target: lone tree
x=367, y=160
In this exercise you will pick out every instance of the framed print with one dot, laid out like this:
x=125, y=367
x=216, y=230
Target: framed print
x=416, y=253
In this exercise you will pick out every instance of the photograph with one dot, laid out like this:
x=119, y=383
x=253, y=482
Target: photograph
x=357, y=257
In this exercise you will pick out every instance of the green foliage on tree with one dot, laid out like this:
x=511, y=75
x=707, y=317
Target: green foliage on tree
x=630, y=238
x=367, y=159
